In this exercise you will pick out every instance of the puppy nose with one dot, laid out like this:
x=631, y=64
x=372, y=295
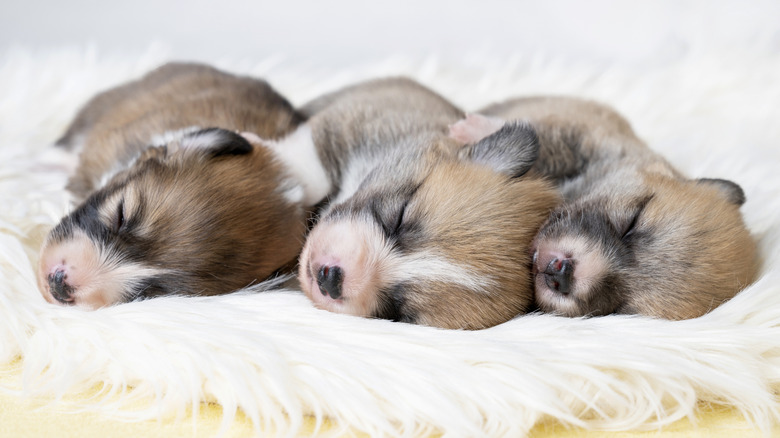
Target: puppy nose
x=59, y=287
x=558, y=275
x=329, y=279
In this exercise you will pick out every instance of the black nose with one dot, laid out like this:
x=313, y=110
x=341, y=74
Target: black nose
x=60, y=289
x=329, y=279
x=558, y=275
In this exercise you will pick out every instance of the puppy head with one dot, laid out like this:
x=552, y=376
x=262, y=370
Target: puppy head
x=434, y=236
x=659, y=246
x=206, y=214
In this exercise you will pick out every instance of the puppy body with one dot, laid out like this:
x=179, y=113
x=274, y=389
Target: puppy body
x=633, y=235
x=178, y=98
x=171, y=199
x=419, y=228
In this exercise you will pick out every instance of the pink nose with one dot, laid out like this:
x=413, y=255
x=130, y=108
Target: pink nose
x=59, y=287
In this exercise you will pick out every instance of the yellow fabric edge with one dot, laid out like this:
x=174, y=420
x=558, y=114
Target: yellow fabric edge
x=42, y=417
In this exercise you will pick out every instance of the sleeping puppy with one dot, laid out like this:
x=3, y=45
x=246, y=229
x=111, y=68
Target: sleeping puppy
x=171, y=199
x=418, y=228
x=633, y=235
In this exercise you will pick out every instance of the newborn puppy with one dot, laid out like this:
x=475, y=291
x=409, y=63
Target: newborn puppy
x=633, y=235
x=171, y=199
x=418, y=228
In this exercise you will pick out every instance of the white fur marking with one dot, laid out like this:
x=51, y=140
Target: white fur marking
x=163, y=139
x=356, y=170
x=299, y=155
x=293, y=192
x=428, y=265
x=171, y=136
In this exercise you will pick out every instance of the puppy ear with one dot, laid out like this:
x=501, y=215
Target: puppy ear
x=474, y=128
x=216, y=142
x=731, y=190
x=511, y=150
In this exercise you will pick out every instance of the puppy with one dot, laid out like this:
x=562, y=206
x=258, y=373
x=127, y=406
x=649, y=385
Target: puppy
x=418, y=228
x=633, y=235
x=171, y=199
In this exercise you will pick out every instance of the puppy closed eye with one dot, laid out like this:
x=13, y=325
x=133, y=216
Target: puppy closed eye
x=119, y=221
x=400, y=218
x=389, y=213
x=390, y=219
x=632, y=226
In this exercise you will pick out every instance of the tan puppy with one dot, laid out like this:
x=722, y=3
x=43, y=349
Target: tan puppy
x=172, y=199
x=634, y=235
x=419, y=228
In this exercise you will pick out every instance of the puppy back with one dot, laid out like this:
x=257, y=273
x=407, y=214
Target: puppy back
x=116, y=125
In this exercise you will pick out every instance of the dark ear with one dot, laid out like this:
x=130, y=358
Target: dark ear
x=511, y=150
x=731, y=190
x=216, y=142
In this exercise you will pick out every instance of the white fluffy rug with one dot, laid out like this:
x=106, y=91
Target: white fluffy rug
x=276, y=358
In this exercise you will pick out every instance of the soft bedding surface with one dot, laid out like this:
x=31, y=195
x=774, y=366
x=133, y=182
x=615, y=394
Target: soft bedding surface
x=276, y=359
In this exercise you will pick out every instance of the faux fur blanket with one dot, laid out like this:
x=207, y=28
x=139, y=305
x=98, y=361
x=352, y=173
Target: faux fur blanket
x=276, y=358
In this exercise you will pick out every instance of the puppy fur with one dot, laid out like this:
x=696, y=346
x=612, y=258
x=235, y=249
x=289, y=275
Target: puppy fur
x=418, y=227
x=633, y=235
x=171, y=200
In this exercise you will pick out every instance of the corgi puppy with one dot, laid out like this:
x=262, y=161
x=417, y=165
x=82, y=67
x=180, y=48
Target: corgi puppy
x=171, y=198
x=418, y=228
x=633, y=236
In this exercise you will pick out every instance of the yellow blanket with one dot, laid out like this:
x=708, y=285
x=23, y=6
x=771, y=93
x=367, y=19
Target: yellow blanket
x=41, y=417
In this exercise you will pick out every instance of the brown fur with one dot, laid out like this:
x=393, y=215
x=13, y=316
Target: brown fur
x=207, y=213
x=117, y=124
x=478, y=218
x=643, y=238
x=354, y=121
x=423, y=229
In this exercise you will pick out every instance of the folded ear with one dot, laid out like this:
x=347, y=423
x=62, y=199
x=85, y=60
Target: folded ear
x=474, y=128
x=216, y=142
x=731, y=190
x=511, y=150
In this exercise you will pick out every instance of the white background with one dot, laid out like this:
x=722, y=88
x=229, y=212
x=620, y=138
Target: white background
x=347, y=32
